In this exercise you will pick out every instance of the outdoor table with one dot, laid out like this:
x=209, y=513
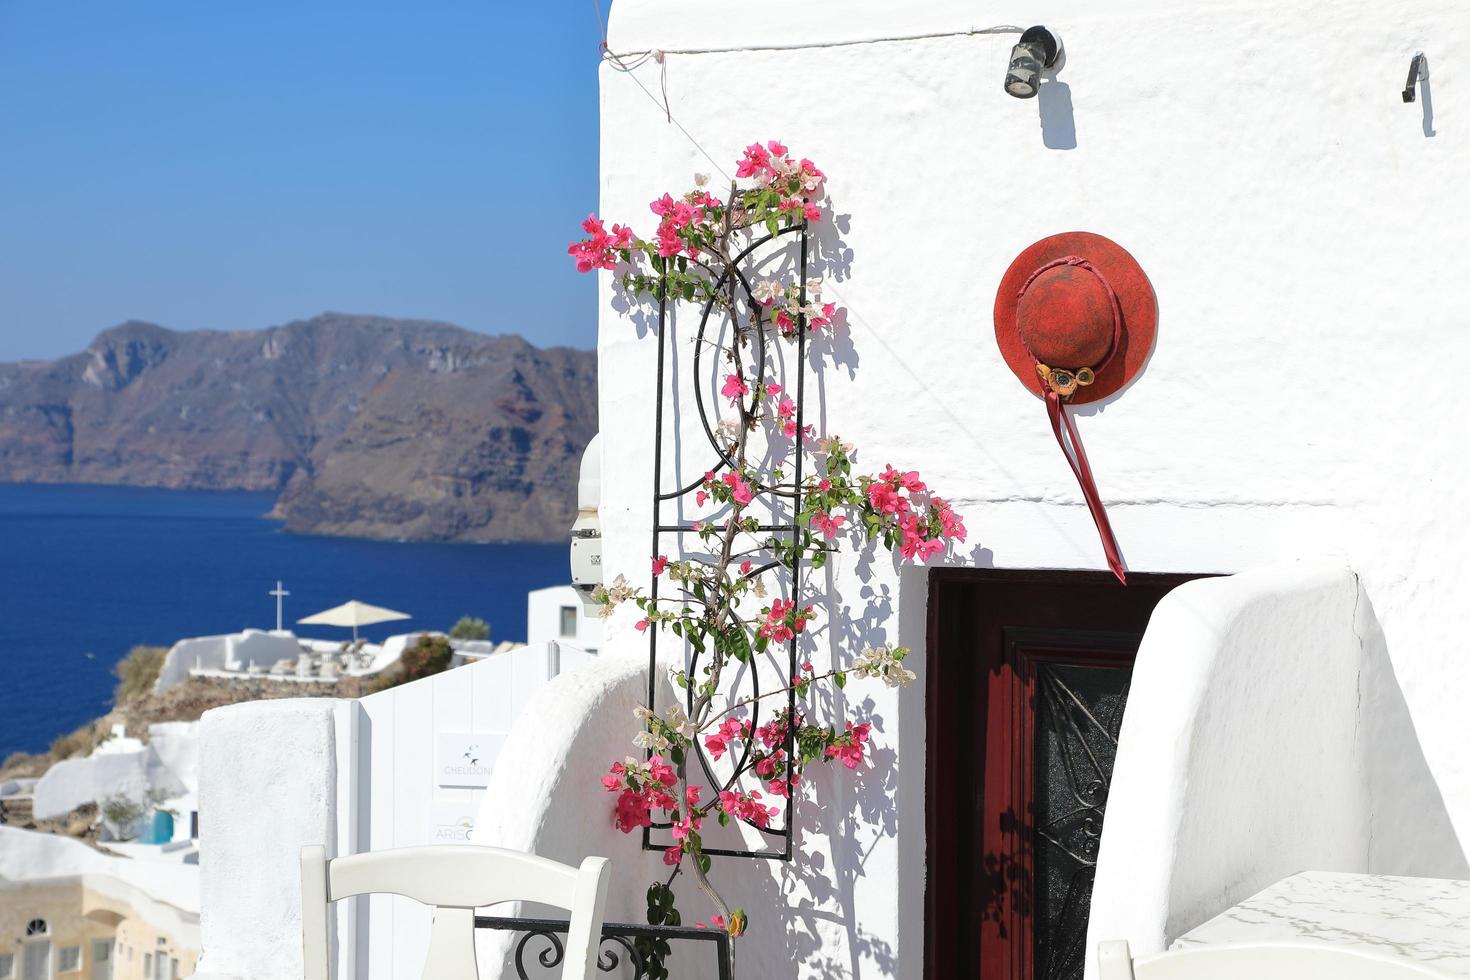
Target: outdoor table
x=1422, y=919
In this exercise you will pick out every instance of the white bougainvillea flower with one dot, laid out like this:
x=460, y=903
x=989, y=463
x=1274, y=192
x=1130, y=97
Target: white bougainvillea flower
x=767, y=290
x=680, y=722
x=885, y=664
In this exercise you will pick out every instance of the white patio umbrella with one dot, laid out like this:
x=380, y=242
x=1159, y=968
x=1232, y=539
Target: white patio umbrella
x=353, y=614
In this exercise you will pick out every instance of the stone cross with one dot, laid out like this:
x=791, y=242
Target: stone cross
x=280, y=594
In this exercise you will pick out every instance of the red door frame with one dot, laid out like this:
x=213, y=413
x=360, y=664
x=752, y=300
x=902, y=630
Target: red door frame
x=979, y=679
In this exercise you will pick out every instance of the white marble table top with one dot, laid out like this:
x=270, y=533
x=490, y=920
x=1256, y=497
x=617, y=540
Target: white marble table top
x=1423, y=919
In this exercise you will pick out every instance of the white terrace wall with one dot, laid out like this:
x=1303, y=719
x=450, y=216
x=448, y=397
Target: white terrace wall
x=1302, y=227
x=1243, y=753
x=233, y=651
x=403, y=767
x=425, y=754
x=168, y=764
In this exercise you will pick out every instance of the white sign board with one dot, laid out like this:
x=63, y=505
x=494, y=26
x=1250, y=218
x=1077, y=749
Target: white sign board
x=466, y=758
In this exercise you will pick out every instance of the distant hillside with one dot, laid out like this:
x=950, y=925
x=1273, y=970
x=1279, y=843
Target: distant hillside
x=366, y=426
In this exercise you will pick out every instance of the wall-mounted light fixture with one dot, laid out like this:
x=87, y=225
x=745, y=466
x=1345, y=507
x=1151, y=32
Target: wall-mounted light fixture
x=1418, y=71
x=1037, y=51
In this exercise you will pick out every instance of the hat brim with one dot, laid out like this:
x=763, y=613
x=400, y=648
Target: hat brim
x=1135, y=298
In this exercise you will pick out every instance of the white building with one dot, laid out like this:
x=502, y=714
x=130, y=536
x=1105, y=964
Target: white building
x=556, y=615
x=1304, y=713
x=1293, y=434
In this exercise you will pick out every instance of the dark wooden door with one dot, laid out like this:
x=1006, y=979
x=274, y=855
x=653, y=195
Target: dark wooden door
x=1028, y=674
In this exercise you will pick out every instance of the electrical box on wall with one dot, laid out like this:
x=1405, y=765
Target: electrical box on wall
x=586, y=545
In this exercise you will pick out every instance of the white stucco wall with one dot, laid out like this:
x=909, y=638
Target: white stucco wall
x=540, y=798
x=27, y=855
x=231, y=651
x=168, y=763
x=269, y=787
x=1301, y=232
x=1242, y=757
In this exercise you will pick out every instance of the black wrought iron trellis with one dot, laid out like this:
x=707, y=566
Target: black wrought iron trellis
x=540, y=951
x=781, y=837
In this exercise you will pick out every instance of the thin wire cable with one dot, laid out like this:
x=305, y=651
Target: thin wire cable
x=796, y=45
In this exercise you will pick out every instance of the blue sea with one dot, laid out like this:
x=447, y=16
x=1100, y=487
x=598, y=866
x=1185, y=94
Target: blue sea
x=88, y=572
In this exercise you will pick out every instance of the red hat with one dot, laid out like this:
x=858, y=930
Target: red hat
x=1077, y=303
x=1075, y=319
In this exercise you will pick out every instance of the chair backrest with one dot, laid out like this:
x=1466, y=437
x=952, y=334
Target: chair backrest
x=1258, y=961
x=455, y=879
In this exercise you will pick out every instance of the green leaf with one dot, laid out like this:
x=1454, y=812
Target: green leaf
x=840, y=678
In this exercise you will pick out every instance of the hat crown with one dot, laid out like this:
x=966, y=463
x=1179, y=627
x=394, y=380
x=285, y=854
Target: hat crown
x=1067, y=318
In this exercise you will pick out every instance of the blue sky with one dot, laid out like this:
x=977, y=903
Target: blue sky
x=235, y=165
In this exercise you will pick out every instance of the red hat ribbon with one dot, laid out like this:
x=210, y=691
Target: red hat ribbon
x=1061, y=422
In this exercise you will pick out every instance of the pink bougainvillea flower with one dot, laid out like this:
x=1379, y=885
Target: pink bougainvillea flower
x=745, y=567
x=885, y=500
x=849, y=748
x=660, y=563
x=642, y=625
x=660, y=770
x=775, y=626
x=828, y=524
x=683, y=828
x=673, y=854
x=773, y=389
x=786, y=413
x=735, y=386
x=823, y=318
x=755, y=161
x=719, y=742
x=952, y=525
x=740, y=491
x=669, y=243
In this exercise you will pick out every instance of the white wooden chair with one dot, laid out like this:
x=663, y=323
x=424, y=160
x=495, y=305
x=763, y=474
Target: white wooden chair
x=455, y=879
x=1258, y=961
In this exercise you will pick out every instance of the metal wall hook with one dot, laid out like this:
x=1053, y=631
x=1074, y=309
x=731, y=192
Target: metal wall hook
x=1418, y=70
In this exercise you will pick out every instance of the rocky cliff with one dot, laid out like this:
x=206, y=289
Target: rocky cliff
x=365, y=426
